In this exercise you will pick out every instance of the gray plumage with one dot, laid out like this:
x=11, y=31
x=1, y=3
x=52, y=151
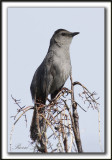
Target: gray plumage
x=53, y=72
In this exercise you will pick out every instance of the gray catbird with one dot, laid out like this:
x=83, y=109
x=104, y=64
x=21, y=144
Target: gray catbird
x=51, y=75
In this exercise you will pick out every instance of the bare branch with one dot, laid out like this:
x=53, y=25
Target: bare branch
x=61, y=118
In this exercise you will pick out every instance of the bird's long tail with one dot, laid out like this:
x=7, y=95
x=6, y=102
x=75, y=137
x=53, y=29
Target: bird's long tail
x=38, y=126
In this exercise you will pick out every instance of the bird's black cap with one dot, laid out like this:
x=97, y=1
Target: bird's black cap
x=71, y=33
x=59, y=30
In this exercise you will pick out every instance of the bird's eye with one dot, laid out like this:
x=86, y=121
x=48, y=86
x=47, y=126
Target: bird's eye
x=63, y=34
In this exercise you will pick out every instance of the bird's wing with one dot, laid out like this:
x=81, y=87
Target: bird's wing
x=47, y=73
x=43, y=78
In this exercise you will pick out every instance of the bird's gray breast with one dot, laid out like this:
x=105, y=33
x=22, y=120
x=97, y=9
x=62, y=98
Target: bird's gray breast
x=61, y=69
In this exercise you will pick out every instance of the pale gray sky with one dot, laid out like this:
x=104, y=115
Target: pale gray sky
x=29, y=33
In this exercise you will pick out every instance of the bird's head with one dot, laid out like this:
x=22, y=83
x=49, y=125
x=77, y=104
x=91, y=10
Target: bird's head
x=63, y=37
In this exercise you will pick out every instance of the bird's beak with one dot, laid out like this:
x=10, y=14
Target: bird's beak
x=74, y=33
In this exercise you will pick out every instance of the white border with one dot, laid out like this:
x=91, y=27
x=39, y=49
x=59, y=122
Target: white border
x=5, y=5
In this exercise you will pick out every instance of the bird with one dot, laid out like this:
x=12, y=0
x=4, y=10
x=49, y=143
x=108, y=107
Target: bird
x=50, y=77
